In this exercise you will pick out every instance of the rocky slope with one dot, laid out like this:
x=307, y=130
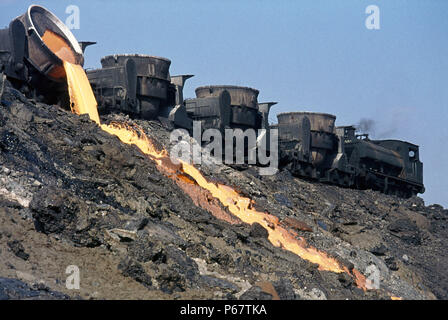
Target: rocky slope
x=71, y=194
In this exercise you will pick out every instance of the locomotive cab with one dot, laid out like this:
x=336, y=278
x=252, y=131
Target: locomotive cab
x=412, y=166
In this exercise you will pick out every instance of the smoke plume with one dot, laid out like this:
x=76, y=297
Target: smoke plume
x=366, y=126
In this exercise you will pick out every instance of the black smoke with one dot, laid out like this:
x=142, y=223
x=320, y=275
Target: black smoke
x=366, y=126
x=370, y=127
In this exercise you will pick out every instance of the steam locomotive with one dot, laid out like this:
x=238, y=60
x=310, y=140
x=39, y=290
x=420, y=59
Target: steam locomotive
x=310, y=146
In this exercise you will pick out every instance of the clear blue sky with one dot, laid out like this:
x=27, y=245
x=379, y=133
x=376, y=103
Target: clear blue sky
x=311, y=55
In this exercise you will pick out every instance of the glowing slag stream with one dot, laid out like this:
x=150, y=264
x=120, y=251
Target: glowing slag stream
x=83, y=101
x=278, y=236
